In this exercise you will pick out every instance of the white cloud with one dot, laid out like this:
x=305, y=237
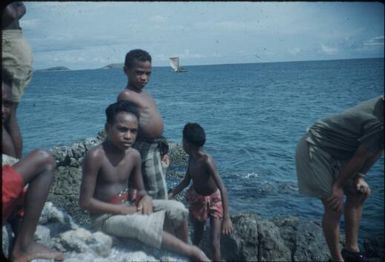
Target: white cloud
x=328, y=49
x=375, y=41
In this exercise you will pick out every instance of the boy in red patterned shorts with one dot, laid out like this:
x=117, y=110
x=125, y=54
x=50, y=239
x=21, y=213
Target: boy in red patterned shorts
x=207, y=197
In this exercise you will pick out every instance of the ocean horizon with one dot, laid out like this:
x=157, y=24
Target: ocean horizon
x=121, y=64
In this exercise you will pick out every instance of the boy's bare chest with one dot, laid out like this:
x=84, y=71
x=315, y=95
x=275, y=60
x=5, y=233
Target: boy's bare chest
x=115, y=173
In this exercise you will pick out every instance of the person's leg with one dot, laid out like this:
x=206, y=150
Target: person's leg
x=215, y=237
x=198, y=230
x=36, y=169
x=8, y=147
x=331, y=230
x=174, y=244
x=176, y=217
x=14, y=131
x=353, y=211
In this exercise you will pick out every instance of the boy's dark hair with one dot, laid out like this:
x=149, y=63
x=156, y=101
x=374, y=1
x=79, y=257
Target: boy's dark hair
x=121, y=106
x=6, y=78
x=136, y=54
x=194, y=134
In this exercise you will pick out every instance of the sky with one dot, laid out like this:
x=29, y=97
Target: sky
x=89, y=35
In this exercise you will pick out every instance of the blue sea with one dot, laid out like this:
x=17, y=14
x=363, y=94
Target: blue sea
x=253, y=114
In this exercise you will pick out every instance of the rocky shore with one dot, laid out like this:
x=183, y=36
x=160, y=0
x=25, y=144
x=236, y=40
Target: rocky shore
x=64, y=226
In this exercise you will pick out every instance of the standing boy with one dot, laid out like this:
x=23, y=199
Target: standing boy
x=21, y=206
x=109, y=169
x=332, y=160
x=137, y=68
x=207, y=197
x=17, y=62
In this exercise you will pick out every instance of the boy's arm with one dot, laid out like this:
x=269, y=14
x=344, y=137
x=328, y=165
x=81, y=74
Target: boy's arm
x=91, y=166
x=145, y=203
x=227, y=226
x=182, y=185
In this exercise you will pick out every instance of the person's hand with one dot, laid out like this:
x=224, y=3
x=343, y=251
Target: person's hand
x=336, y=200
x=362, y=186
x=165, y=161
x=127, y=210
x=145, y=205
x=227, y=226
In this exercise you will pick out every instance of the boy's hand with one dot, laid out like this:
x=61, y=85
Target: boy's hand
x=145, y=205
x=227, y=226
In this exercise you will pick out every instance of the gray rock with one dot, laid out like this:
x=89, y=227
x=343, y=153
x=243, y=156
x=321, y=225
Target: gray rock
x=81, y=240
x=42, y=234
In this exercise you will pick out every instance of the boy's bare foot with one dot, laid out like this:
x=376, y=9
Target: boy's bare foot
x=198, y=255
x=35, y=251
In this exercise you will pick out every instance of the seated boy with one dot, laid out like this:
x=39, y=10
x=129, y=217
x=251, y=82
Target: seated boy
x=35, y=171
x=207, y=197
x=108, y=170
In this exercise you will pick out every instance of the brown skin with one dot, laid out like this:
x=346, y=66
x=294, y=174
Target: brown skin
x=8, y=145
x=110, y=167
x=205, y=180
x=361, y=161
x=36, y=170
x=151, y=122
x=11, y=15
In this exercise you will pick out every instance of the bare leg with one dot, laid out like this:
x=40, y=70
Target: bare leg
x=353, y=211
x=198, y=231
x=7, y=143
x=331, y=230
x=173, y=243
x=14, y=131
x=182, y=231
x=215, y=236
x=37, y=169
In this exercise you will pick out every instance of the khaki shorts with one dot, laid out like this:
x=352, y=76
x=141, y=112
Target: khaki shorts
x=17, y=61
x=317, y=170
x=148, y=229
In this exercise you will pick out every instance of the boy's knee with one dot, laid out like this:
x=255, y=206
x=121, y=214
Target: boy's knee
x=45, y=159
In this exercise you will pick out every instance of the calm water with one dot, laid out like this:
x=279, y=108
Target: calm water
x=253, y=115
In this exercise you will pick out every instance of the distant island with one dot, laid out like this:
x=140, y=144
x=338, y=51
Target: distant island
x=115, y=65
x=55, y=68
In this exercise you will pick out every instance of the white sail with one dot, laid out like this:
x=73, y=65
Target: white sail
x=174, y=63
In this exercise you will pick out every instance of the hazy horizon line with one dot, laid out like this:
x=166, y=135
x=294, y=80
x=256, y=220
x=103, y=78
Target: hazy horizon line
x=237, y=63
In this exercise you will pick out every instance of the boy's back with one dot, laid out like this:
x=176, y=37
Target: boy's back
x=201, y=175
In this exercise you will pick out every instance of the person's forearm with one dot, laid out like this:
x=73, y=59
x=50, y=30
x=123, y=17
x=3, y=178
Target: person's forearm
x=349, y=170
x=100, y=207
x=179, y=188
x=225, y=202
x=370, y=161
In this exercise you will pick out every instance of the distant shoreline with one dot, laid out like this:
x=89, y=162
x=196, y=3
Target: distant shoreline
x=121, y=65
